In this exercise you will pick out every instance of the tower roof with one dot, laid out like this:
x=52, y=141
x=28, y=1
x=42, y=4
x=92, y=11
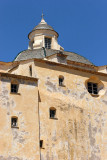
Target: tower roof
x=43, y=26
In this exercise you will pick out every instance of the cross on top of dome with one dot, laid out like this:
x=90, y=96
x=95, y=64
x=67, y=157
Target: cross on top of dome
x=42, y=20
x=42, y=15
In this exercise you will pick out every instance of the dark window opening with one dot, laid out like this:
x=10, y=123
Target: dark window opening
x=61, y=80
x=14, y=88
x=52, y=113
x=92, y=88
x=30, y=70
x=48, y=43
x=41, y=143
x=14, y=122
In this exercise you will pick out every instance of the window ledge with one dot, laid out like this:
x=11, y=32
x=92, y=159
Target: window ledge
x=62, y=85
x=15, y=93
x=53, y=118
x=15, y=127
x=94, y=95
x=42, y=148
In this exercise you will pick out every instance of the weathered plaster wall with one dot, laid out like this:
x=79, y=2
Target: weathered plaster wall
x=23, y=68
x=19, y=143
x=79, y=132
x=80, y=129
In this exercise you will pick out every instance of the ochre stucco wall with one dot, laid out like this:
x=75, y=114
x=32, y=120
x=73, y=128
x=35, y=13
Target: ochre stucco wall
x=20, y=143
x=79, y=130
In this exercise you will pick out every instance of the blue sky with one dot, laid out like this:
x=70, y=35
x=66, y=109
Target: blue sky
x=81, y=24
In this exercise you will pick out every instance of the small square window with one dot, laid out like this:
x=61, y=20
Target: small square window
x=14, y=122
x=14, y=88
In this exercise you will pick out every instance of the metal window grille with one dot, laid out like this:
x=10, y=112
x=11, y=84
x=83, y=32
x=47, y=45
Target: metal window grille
x=52, y=113
x=48, y=43
x=92, y=88
x=14, y=88
x=61, y=81
x=14, y=122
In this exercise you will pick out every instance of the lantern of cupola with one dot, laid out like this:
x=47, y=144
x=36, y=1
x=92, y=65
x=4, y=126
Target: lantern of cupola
x=43, y=35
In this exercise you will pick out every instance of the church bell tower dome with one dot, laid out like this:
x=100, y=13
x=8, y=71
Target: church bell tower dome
x=43, y=35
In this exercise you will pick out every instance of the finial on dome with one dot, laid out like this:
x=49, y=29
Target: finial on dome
x=42, y=15
x=42, y=20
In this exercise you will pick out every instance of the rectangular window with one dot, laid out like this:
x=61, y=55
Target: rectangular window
x=60, y=81
x=92, y=88
x=52, y=113
x=48, y=43
x=13, y=122
x=41, y=143
x=14, y=88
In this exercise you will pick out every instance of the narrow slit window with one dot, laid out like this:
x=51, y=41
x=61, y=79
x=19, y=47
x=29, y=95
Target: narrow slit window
x=92, y=88
x=14, y=88
x=52, y=113
x=41, y=143
x=14, y=121
x=30, y=70
x=48, y=43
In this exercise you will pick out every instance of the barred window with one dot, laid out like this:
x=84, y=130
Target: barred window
x=92, y=88
x=14, y=88
x=14, y=122
x=61, y=80
x=52, y=112
x=48, y=43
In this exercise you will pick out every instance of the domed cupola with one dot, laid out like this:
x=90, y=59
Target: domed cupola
x=43, y=35
x=43, y=25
